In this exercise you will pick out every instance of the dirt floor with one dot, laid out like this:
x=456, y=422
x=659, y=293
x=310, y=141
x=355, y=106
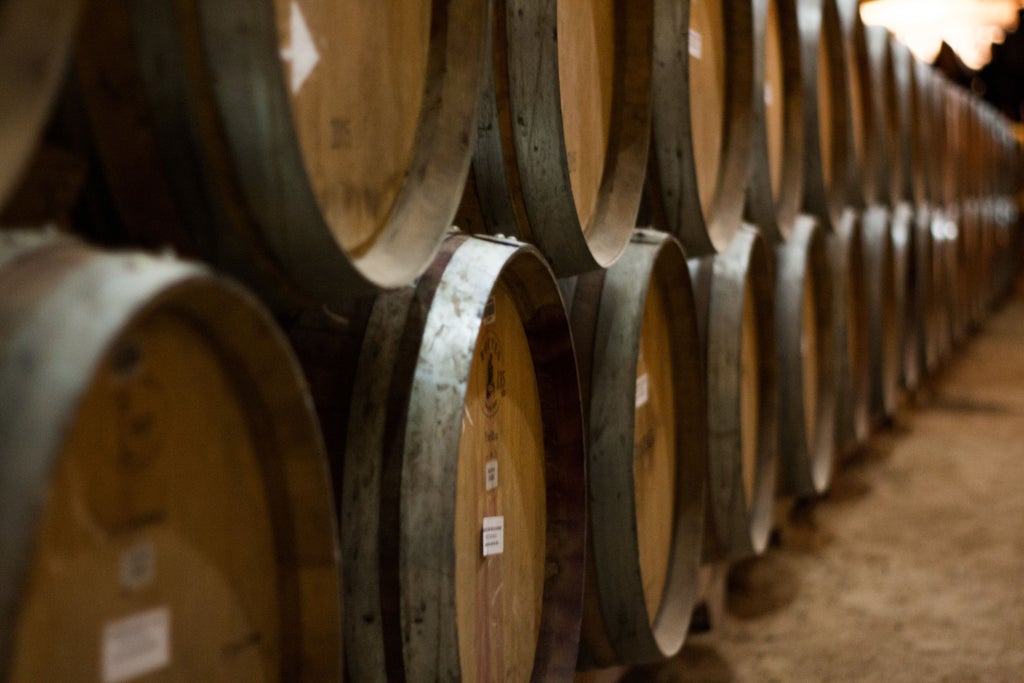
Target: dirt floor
x=913, y=568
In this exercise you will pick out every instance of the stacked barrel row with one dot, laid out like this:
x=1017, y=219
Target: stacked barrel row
x=503, y=451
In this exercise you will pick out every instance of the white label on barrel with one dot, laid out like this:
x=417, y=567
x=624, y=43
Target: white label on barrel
x=136, y=645
x=641, y=390
x=769, y=96
x=696, y=46
x=494, y=535
x=491, y=475
x=301, y=52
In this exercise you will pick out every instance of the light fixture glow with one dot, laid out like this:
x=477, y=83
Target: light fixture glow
x=970, y=27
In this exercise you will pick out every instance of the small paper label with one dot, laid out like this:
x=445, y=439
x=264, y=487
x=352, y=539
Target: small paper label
x=494, y=535
x=491, y=475
x=489, y=311
x=641, y=390
x=136, y=645
x=769, y=96
x=696, y=44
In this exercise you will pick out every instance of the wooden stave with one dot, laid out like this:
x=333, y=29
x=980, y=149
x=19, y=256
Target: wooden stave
x=905, y=259
x=521, y=171
x=36, y=38
x=775, y=216
x=863, y=183
x=884, y=321
x=910, y=116
x=211, y=162
x=394, y=335
x=821, y=28
x=807, y=452
x=737, y=528
x=853, y=373
x=610, y=305
x=886, y=141
x=111, y=292
x=672, y=190
x=927, y=346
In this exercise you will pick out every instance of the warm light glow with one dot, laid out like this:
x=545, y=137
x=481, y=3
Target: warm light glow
x=969, y=26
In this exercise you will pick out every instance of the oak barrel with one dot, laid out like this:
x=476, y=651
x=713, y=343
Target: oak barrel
x=702, y=121
x=863, y=186
x=35, y=39
x=805, y=346
x=639, y=355
x=886, y=138
x=775, y=183
x=464, y=495
x=735, y=297
x=825, y=107
x=885, y=319
x=853, y=369
x=319, y=147
x=166, y=504
x=564, y=124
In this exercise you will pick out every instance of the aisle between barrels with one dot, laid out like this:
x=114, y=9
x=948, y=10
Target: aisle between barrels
x=910, y=569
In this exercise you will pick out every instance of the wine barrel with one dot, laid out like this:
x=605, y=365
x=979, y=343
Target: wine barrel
x=642, y=380
x=702, y=121
x=825, y=109
x=864, y=186
x=736, y=315
x=35, y=38
x=885, y=114
x=927, y=348
x=885, y=321
x=166, y=504
x=911, y=116
x=773, y=200
x=852, y=359
x=320, y=148
x=775, y=183
x=565, y=118
x=905, y=279
x=464, y=498
x=926, y=157
x=946, y=280
x=961, y=239
x=805, y=345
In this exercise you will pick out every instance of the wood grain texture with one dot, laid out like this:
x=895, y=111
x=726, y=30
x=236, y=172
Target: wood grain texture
x=565, y=122
x=739, y=348
x=805, y=331
x=885, y=319
x=774, y=190
x=502, y=427
x=212, y=503
x=853, y=379
x=908, y=287
x=825, y=103
x=911, y=119
x=428, y=411
x=708, y=91
x=638, y=344
x=774, y=94
x=862, y=184
x=702, y=121
x=357, y=110
x=274, y=167
x=886, y=138
x=35, y=39
x=586, y=84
